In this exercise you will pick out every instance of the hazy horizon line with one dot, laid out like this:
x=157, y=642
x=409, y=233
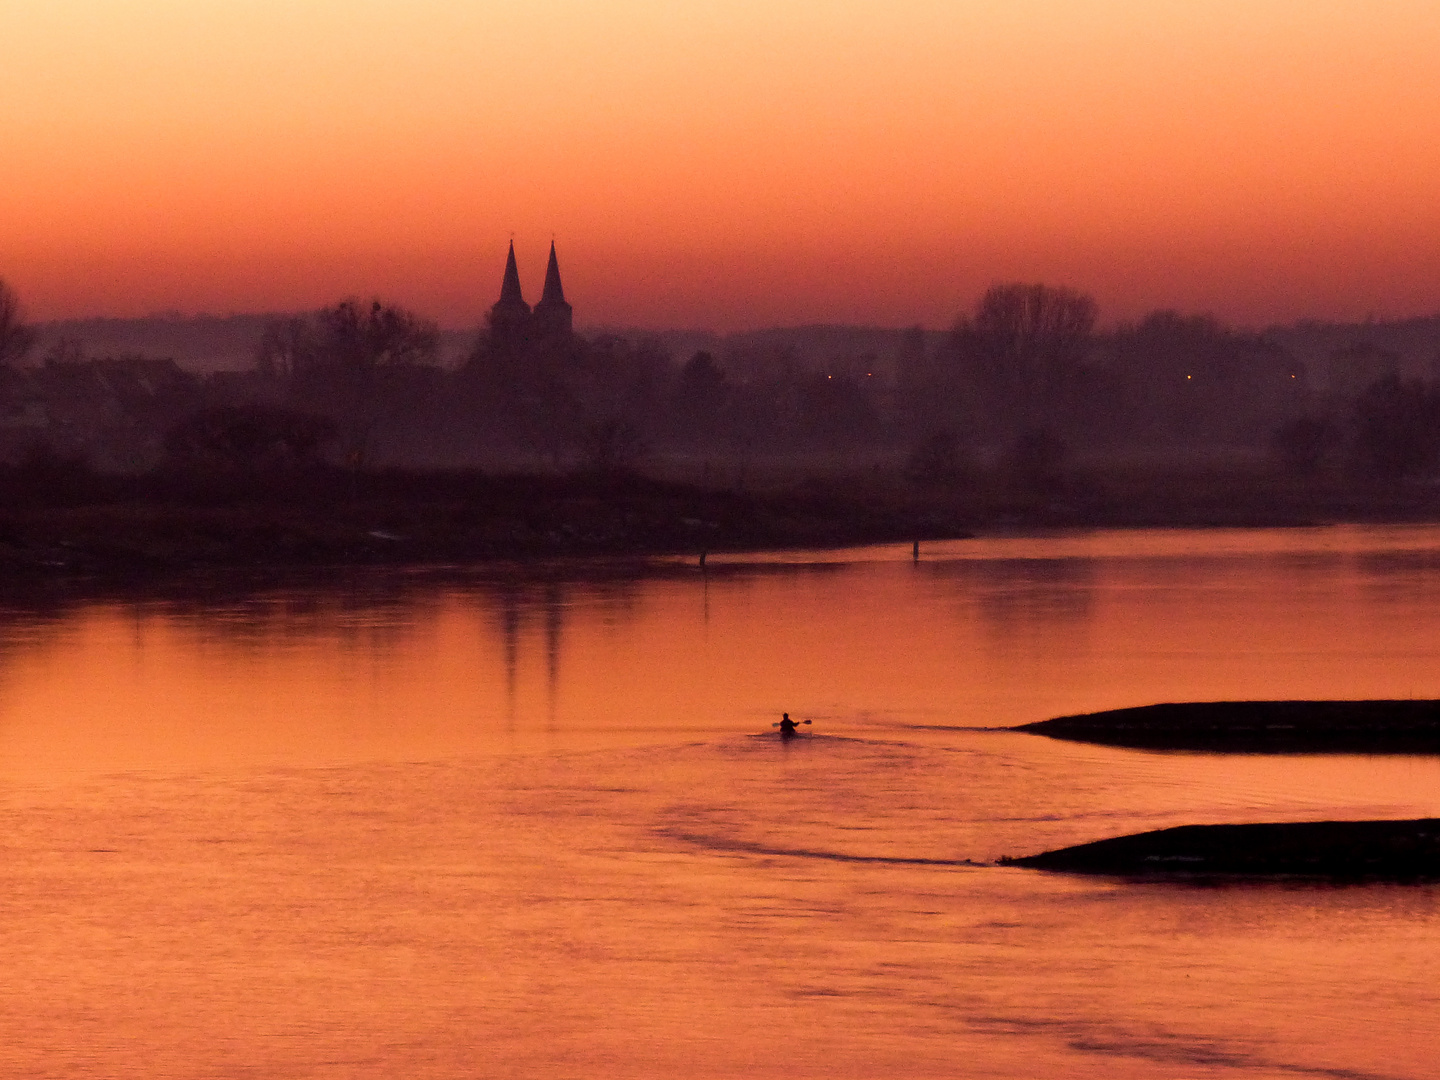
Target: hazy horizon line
x=618, y=329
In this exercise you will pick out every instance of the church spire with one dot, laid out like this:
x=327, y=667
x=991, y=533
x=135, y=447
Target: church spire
x=510, y=317
x=553, y=316
x=554, y=292
x=510, y=296
x=514, y=328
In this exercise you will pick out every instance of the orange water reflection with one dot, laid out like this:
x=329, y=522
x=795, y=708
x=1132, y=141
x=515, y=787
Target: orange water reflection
x=280, y=833
x=978, y=633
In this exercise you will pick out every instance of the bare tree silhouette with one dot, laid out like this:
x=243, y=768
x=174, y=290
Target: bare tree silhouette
x=352, y=364
x=16, y=338
x=1026, y=343
x=286, y=346
x=385, y=335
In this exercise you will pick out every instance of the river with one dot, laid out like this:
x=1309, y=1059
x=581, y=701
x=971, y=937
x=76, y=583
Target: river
x=534, y=822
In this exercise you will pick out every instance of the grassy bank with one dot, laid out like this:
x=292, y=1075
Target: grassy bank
x=146, y=524
x=57, y=517
x=1333, y=850
x=1277, y=727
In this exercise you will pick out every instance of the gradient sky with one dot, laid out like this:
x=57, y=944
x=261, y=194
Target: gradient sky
x=722, y=163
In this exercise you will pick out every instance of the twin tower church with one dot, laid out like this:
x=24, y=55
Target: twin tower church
x=514, y=324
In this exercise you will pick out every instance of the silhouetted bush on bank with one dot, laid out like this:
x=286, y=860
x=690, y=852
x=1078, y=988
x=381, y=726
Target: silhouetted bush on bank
x=613, y=447
x=1036, y=462
x=1307, y=445
x=47, y=476
x=1397, y=429
x=937, y=462
x=247, y=438
x=1391, y=434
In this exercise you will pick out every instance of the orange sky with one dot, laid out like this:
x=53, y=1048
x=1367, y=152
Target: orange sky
x=722, y=163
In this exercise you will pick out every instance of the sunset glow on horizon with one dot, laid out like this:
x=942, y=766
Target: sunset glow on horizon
x=728, y=164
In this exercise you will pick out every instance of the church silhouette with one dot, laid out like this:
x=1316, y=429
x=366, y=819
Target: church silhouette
x=514, y=326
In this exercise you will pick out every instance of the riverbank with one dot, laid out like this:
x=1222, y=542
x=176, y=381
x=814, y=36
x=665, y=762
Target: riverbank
x=1273, y=727
x=59, y=519
x=401, y=519
x=1335, y=850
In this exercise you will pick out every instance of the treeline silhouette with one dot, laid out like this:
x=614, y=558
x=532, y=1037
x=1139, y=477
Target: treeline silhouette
x=1025, y=392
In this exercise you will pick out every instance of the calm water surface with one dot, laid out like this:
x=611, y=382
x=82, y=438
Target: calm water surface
x=535, y=824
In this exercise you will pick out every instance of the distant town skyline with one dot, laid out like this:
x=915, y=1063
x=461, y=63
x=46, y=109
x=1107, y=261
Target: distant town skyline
x=727, y=166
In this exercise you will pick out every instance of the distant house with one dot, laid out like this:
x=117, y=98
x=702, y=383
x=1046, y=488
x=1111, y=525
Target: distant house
x=112, y=411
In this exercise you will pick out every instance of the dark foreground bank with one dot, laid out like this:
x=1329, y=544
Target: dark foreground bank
x=1274, y=727
x=1335, y=850
x=158, y=525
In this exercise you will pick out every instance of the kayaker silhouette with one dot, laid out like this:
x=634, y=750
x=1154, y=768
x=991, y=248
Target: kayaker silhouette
x=787, y=726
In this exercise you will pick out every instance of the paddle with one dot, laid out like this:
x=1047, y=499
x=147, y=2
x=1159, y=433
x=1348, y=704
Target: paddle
x=777, y=723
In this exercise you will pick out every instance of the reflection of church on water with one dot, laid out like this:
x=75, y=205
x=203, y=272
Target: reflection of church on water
x=525, y=614
x=513, y=605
